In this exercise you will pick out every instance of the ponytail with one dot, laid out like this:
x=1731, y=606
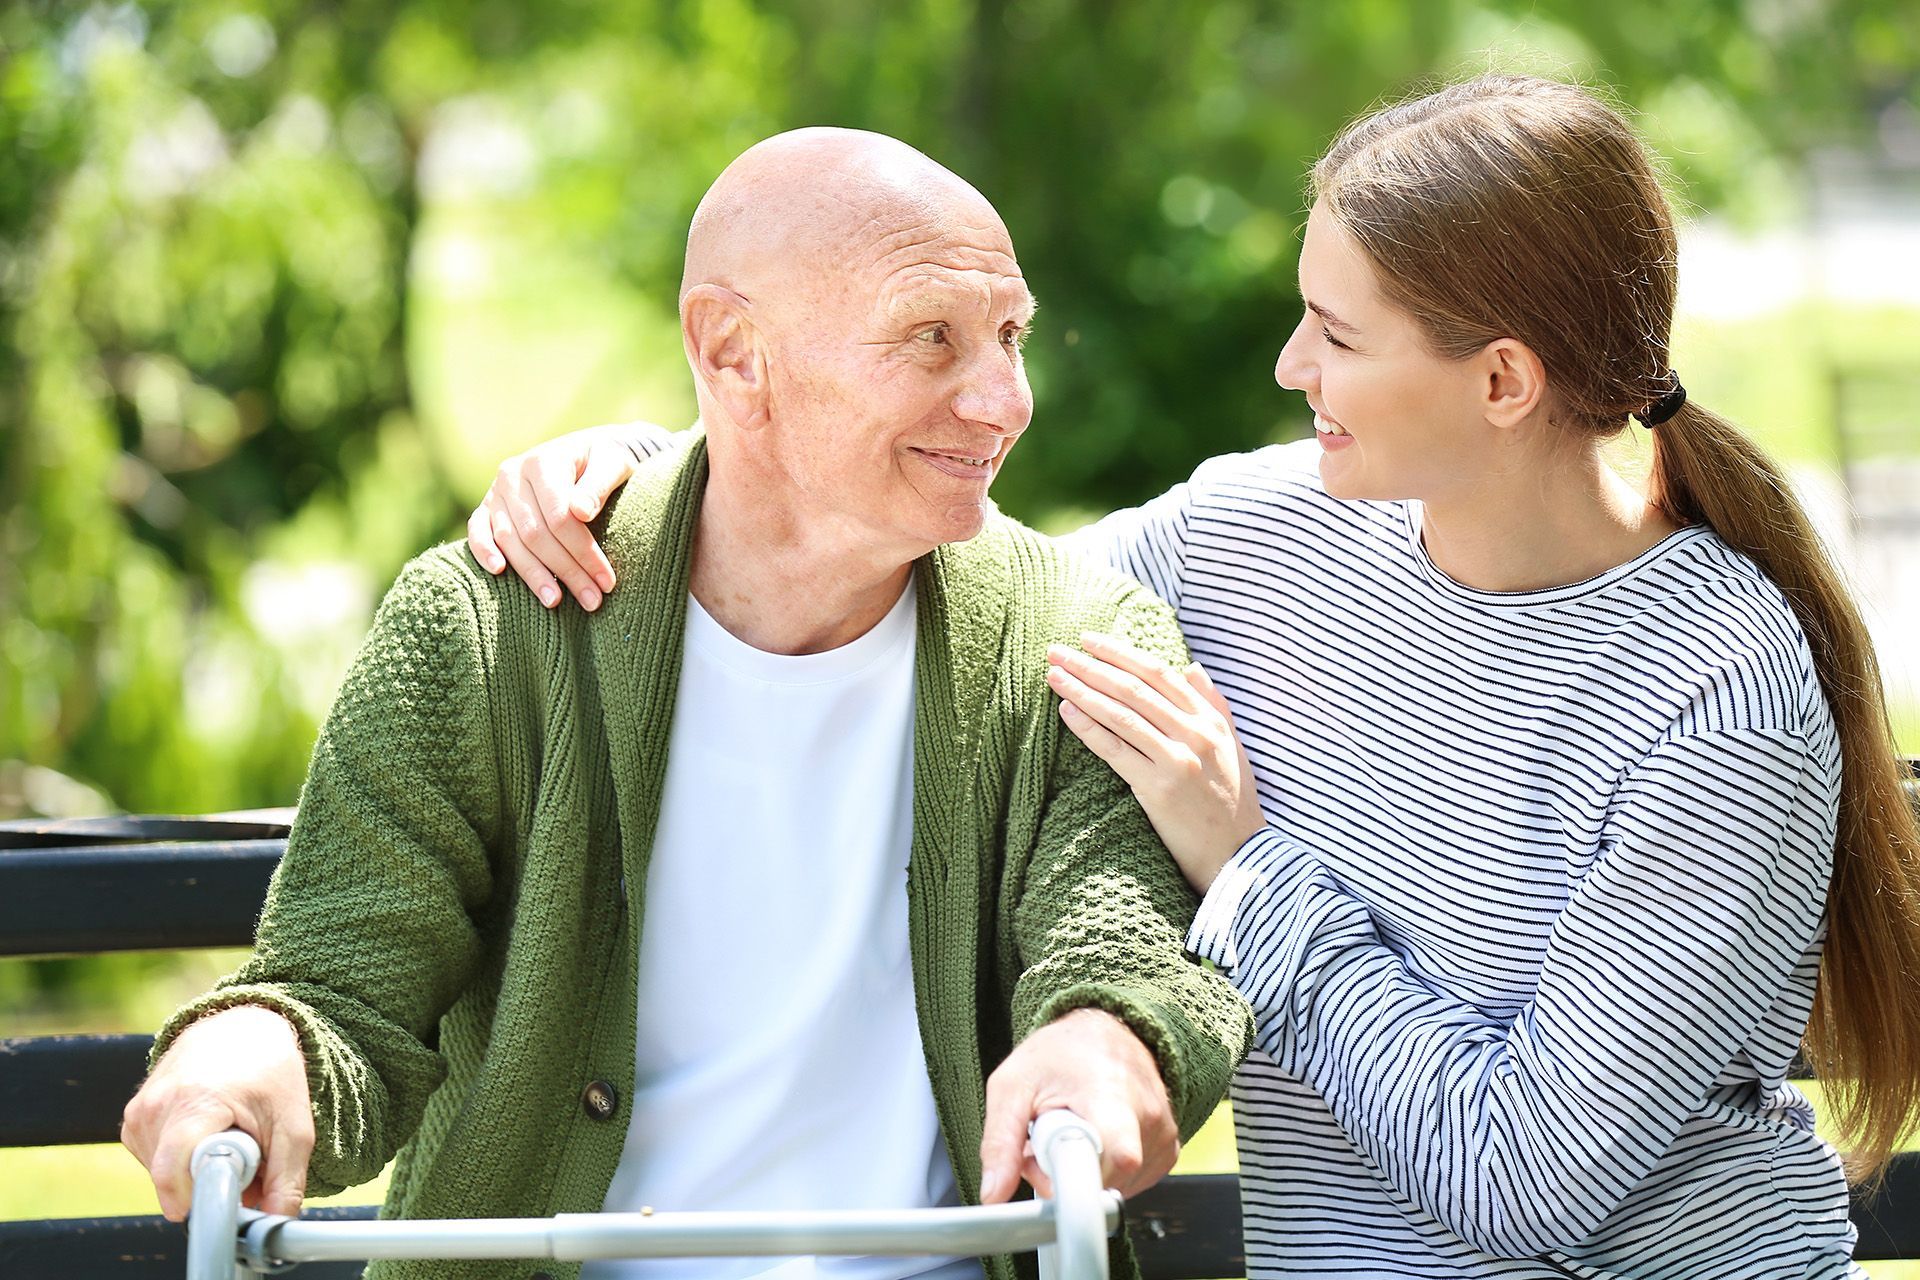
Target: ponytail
x=1864, y=1037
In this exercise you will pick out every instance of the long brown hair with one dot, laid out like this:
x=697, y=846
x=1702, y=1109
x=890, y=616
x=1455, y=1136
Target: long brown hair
x=1510, y=206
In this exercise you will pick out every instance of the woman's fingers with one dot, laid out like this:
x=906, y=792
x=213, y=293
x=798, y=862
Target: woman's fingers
x=1202, y=684
x=1137, y=662
x=609, y=464
x=1132, y=767
x=534, y=517
x=538, y=556
x=1117, y=717
x=566, y=546
x=526, y=566
x=549, y=533
x=1188, y=769
x=1135, y=692
x=480, y=541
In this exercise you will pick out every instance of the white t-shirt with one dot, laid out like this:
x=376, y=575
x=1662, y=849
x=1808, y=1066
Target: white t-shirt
x=779, y=1063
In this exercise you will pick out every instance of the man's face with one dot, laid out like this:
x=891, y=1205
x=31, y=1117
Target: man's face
x=898, y=390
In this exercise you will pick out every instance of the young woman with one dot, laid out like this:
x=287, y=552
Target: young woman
x=1559, y=814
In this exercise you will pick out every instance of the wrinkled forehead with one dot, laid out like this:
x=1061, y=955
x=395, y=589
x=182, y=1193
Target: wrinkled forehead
x=897, y=259
x=947, y=265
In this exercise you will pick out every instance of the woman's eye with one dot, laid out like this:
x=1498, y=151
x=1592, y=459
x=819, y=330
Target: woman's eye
x=1333, y=341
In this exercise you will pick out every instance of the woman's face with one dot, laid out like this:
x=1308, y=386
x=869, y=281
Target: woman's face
x=1393, y=419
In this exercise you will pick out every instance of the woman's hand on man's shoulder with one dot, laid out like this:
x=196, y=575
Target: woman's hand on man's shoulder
x=534, y=518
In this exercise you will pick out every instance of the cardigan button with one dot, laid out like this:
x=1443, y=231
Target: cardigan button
x=599, y=1100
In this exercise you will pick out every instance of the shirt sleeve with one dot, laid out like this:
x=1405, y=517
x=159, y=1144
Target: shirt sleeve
x=648, y=438
x=368, y=935
x=1147, y=543
x=1523, y=1137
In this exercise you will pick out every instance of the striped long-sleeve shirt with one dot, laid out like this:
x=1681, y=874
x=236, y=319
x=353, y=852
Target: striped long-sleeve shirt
x=1534, y=926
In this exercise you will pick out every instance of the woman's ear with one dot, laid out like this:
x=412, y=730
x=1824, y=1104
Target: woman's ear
x=1513, y=381
x=728, y=353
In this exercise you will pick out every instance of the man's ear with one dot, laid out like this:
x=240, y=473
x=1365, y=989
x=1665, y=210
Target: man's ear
x=728, y=354
x=1513, y=381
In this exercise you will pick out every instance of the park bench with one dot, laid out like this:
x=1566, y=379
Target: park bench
x=141, y=884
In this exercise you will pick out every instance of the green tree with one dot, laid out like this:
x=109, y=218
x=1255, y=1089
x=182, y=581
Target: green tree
x=212, y=213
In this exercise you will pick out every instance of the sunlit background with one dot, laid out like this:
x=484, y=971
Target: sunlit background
x=280, y=283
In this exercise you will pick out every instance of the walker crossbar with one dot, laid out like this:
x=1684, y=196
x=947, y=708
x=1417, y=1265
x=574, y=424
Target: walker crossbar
x=1070, y=1230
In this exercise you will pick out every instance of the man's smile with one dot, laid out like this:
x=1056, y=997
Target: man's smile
x=960, y=463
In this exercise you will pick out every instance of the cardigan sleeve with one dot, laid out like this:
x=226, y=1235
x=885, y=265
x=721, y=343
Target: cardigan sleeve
x=368, y=936
x=1523, y=1137
x=1103, y=911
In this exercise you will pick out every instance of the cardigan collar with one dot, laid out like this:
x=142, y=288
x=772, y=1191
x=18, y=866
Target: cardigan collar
x=647, y=532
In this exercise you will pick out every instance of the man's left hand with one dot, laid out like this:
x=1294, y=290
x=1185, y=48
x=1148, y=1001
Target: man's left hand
x=1091, y=1062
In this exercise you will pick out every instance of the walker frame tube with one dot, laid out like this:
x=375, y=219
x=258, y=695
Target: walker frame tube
x=1070, y=1230
x=222, y=1166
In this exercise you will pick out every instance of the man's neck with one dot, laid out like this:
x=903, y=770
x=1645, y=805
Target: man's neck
x=781, y=581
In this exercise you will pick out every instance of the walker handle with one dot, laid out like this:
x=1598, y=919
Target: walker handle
x=222, y=1167
x=1068, y=1151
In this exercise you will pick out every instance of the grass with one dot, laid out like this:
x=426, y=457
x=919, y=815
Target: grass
x=1772, y=373
x=100, y=1182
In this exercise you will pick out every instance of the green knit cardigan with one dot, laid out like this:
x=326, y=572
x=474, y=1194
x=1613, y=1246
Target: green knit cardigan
x=454, y=929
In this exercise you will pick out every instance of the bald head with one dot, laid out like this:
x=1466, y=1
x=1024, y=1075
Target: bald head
x=852, y=314
x=807, y=205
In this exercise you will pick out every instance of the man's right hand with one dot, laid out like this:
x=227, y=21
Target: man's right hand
x=242, y=1069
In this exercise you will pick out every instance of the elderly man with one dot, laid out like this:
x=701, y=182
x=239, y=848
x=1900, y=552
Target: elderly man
x=732, y=893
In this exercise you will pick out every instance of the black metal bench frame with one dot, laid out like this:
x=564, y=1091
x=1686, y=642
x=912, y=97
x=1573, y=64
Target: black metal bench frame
x=138, y=884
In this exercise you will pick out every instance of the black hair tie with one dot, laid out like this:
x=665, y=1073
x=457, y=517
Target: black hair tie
x=1666, y=406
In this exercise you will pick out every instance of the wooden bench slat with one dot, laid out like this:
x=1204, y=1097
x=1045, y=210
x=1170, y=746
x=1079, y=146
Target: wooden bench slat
x=50, y=833
x=59, y=1090
x=1188, y=1228
x=95, y=898
x=1889, y=1219
x=130, y=1248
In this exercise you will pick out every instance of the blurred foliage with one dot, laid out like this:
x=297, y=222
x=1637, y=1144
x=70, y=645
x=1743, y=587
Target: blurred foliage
x=272, y=274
